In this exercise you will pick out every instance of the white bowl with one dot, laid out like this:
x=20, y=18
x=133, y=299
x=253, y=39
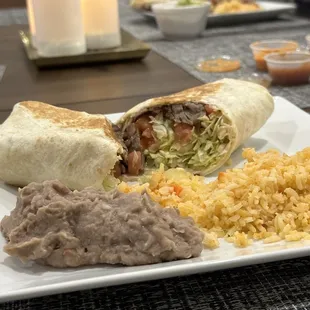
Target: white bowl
x=179, y=22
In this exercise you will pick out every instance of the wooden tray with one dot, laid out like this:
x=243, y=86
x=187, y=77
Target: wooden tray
x=131, y=48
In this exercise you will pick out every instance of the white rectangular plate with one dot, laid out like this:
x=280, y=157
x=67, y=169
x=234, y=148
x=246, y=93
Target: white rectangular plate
x=2, y=70
x=287, y=130
x=270, y=10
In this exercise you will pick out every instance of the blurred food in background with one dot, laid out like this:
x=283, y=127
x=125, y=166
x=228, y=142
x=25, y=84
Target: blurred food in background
x=234, y=6
x=218, y=6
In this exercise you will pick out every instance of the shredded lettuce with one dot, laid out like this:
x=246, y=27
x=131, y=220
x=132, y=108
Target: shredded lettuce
x=110, y=182
x=209, y=143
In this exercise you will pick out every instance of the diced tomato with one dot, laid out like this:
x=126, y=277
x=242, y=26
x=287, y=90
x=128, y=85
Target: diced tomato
x=147, y=138
x=221, y=176
x=135, y=164
x=146, y=143
x=177, y=189
x=183, y=132
x=148, y=133
x=143, y=123
x=208, y=109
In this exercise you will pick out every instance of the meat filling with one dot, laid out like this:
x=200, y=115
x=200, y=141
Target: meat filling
x=176, y=127
x=189, y=113
x=132, y=161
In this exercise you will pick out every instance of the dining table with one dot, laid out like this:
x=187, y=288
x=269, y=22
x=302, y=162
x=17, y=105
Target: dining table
x=106, y=88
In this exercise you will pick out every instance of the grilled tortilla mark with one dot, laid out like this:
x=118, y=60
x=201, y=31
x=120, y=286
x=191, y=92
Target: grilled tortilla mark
x=192, y=94
x=66, y=118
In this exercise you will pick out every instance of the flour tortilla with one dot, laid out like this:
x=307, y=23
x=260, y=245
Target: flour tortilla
x=246, y=105
x=41, y=142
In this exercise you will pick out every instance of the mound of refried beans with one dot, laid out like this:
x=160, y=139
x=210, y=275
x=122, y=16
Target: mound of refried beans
x=55, y=226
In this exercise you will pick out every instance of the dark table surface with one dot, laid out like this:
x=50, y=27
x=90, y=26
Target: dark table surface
x=12, y=3
x=103, y=88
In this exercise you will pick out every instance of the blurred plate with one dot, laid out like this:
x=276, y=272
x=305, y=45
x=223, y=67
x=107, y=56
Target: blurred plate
x=271, y=10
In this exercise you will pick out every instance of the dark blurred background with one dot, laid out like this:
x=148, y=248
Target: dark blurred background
x=303, y=7
x=12, y=3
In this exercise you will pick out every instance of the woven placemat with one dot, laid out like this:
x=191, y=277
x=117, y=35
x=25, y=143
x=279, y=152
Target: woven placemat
x=275, y=286
x=233, y=41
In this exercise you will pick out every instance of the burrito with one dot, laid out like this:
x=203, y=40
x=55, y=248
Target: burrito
x=197, y=129
x=41, y=142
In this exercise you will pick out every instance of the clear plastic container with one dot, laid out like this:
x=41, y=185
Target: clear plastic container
x=262, y=48
x=59, y=27
x=290, y=68
x=101, y=23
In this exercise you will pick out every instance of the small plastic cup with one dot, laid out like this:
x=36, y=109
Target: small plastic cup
x=262, y=48
x=290, y=68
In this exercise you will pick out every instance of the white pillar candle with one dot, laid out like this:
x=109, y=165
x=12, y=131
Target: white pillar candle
x=59, y=27
x=101, y=23
x=31, y=22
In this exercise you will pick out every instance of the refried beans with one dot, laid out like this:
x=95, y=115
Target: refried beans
x=55, y=226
